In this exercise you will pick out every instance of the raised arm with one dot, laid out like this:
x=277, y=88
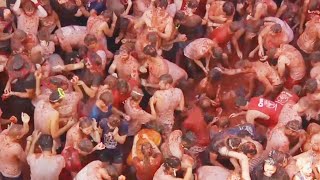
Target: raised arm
x=56, y=132
x=16, y=7
x=41, y=11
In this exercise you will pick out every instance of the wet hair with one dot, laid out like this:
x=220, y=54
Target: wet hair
x=248, y=148
x=166, y=78
x=85, y=122
x=310, y=86
x=71, y=57
x=162, y=3
x=180, y=15
x=28, y=5
x=85, y=145
x=112, y=172
x=20, y=34
x=271, y=53
x=57, y=82
x=106, y=98
x=150, y=50
x=171, y=162
x=293, y=125
x=107, y=14
x=15, y=130
x=90, y=39
x=235, y=26
x=193, y=4
x=136, y=94
x=152, y=38
x=124, y=23
x=95, y=59
x=214, y=75
x=314, y=56
x=233, y=142
x=144, y=145
x=204, y=103
x=223, y=122
x=241, y=101
x=228, y=8
x=243, y=133
x=278, y=156
x=217, y=53
x=270, y=162
x=56, y=96
x=297, y=89
x=45, y=142
x=276, y=28
x=190, y=138
x=111, y=81
x=123, y=86
x=17, y=62
x=82, y=51
x=114, y=120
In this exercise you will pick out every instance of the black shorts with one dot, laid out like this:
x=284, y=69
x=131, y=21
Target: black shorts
x=111, y=155
x=2, y=177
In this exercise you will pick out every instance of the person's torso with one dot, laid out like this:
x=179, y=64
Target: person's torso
x=169, y=100
x=221, y=35
x=12, y=165
x=28, y=24
x=39, y=167
x=89, y=171
x=42, y=116
x=285, y=97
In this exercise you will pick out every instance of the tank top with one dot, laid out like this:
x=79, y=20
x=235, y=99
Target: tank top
x=221, y=35
x=286, y=96
x=270, y=108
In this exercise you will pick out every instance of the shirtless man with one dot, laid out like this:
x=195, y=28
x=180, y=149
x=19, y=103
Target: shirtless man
x=46, y=116
x=97, y=170
x=168, y=170
x=151, y=161
x=11, y=151
x=39, y=163
x=138, y=116
x=125, y=66
x=165, y=101
x=220, y=12
x=202, y=48
x=274, y=33
x=289, y=60
x=140, y=6
x=309, y=10
x=314, y=72
x=308, y=40
x=70, y=37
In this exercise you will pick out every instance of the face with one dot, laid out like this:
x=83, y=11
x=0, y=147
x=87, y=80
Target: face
x=269, y=170
x=147, y=150
x=124, y=54
x=92, y=45
x=29, y=9
x=162, y=85
x=87, y=131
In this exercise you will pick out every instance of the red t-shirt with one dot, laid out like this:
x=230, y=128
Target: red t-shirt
x=118, y=98
x=221, y=35
x=270, y=108
x=286, y=96
x=195, y=123
x=72, y=159
x=147, y=172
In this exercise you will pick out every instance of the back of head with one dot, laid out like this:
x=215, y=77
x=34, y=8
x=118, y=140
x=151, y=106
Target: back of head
x=248, y=148
x=162, y=3
x=122, y=86
x=278, y=156
x=124, y=23
x=166, y=79
x=152, y=38
x=83, y=51
x=95, y=59
x=85, y=145
x=107, y=14
x=241, y=101
x=114, y=120
x=310, y=86
x=233, y=142
x=204, y=103
x=180, y=15
x=314, y=57
x=228, y=8
x=56, y=96
x=136, y=94
x=293, y=125
x=189, y=138
x=214, y=75
x=45, y=142
x=111, y=81
x=106, y=97
x=150, y=50
x=172, y=162
x=112, y=172
x=297, y=89
x=276, y=28
x=90, y=39
x=15, y=130
x=193, y=4
x=85, y=122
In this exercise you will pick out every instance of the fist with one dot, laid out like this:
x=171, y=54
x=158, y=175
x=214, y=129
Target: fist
x=25, y=117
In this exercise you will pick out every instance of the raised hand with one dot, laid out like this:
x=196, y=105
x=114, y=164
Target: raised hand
x=25, y=118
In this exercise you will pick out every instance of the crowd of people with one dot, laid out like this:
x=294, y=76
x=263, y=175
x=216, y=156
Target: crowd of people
x=160, y=90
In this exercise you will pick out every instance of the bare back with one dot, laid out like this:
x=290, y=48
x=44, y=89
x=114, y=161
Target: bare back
x=42, y=117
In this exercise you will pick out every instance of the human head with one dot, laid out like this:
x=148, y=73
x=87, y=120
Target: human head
x=5, y=14
x=249, y=149
x=123, y=86
x=241, y=102
x=83, y=50
x=172, y=164
x=124, y=23
x=273, y=53
x=214, y=75
x=45, y=142
x=14, y=131
x=90, y=41
x=310, y=86
x=85, y=145
x=161, y=3
x=114, y=120
x=204, y=103
x=279, y=157
x=193, y=5
x=20, y=35
x=314, y=57
x=137, y=94
x=235, y=26
x=233, y=143
x=146, y=149
x=152, y=38
x=166, y=81
x=55, y=82
x=111, y=82
x=150, y=50
x=297, y=89
x=85, y=125
x=276, y=28
x=292, y=128
x=29, y=8
x=94, y=62
x=56, y=97
x=105, y=99
x=217, y=53
x=228, y=8
x=188, y=139
x=107, y=15
x=269, y=167
x=180, y=17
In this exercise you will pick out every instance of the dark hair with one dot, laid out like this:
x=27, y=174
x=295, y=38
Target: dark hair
x=162, y=3
x=124, y=23
x=55, y=96
x=190, y=138
x=106, y=98
x=314, y=56
x=114, y=120
x=122, y=85
x=214, y=75
x=276, y=28
x=171, y=162
x=243, y=133
x=235, y=26
x=85, y=122
x=2, y=13
x=193, y=4
x=297, y=89
x=310, y=86
x=180, y=15
x=166, y=78
x=82, y=51
x=145, y=145
x=45, y=142
x=248, y=148
x=89, y=39
x=293, y=125
x=150, y=50
x=107, y=14
x=152, y=38
x=278, y=156
x=71, y=57
x=17, y=62
x=204, y=103
x=112, y=171
x=241, y=101
x=228, y=8
x=111, y=81
x=85, y=145
x=217, y=53
x=233, y=142
x=95, y=59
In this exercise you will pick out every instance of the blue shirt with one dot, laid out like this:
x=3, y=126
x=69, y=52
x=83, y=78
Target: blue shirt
x=97, y=114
